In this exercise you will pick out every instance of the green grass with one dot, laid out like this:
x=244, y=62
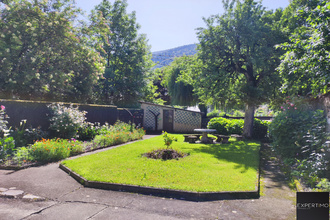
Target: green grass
x=208, y=168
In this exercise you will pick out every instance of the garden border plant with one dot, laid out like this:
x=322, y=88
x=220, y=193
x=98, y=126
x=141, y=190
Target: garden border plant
x=24, y=147
x=299, y=135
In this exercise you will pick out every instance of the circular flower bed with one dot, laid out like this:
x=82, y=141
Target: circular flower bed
x=165, y=154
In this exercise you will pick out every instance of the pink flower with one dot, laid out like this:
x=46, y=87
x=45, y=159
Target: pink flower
x=281, y=107
x=3, y=107
x=292, y=104
x=295, y=108
x=288, y=107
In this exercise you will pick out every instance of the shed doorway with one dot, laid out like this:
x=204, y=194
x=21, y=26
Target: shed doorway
x=168, y=116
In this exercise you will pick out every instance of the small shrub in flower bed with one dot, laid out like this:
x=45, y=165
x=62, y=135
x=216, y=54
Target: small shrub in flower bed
x=48, y=150
x=118, y=133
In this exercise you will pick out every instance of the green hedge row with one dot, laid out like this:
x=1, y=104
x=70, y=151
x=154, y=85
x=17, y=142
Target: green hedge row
x=235, y=126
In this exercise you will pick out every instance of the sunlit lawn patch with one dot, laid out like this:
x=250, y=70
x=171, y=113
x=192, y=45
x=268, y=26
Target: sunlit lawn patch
x=208, y=168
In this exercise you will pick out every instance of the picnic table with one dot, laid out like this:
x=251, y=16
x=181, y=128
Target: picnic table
x=205, y=139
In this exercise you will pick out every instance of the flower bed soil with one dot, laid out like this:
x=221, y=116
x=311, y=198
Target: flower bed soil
x=165, y=154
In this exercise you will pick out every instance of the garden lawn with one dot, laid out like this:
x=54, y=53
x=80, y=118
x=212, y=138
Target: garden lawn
x=208, y=168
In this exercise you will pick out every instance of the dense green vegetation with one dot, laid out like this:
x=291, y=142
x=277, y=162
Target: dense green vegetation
x=299, y=134
x=68, y=128
x=235, y=126
x=125, y=79
x=208, y=168
x=246, y=57
x=46, y=53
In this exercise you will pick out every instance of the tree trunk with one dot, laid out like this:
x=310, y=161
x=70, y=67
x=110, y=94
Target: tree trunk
x=248, y=121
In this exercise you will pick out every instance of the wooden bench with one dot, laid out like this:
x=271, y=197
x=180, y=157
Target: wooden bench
x=221, y=138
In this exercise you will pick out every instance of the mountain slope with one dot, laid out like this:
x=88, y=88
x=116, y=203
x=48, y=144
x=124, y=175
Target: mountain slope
x=165, y=57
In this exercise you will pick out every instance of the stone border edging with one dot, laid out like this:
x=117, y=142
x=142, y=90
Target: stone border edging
x=168, y=193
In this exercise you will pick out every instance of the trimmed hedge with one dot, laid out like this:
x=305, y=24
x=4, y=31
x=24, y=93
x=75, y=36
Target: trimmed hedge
x=235, y=126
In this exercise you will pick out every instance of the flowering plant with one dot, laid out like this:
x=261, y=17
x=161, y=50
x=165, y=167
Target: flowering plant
x=66, y=121
x=47, y=150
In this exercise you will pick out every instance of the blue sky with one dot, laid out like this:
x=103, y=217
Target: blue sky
x=172, y=23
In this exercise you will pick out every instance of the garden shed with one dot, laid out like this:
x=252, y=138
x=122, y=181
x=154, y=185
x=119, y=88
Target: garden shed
x=170, y=119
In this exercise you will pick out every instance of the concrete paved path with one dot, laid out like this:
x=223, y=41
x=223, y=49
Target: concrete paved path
x=64, y=198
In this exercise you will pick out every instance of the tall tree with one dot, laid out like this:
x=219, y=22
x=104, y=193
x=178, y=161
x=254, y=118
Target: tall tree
x=181, y=93
x=43, y=55
x=306, y=63
x=129, y=57
x=239, y=57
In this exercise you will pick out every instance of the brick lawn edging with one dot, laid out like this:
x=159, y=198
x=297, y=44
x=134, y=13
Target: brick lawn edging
x=168, y=193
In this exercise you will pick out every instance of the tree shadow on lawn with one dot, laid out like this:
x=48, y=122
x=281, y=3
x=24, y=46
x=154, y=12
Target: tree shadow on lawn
x=244, y=154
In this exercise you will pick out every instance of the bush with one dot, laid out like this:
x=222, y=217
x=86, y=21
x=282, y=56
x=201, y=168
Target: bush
x=260, y=129
x=298, y=133
x=46, y=150
x=119, y=133
x=219, y=124
x=238, y=113
x=235, y=126
x=7, y=146
x=214, y=113
x=24, y=137
x=88, y=131
x=324, y=185
x=66, y=121
x=22, y=155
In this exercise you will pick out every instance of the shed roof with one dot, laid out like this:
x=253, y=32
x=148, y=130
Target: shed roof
x=168, y=106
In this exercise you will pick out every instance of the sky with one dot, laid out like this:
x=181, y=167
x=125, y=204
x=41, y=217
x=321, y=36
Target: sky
x=172, y=23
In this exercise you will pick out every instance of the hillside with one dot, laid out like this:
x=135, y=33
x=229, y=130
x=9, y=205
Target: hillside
x=165, y=57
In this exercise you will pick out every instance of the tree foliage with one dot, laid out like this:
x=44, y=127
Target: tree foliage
x=129, y=57
x=238, y=56
x=43, y=55
x=181, y=93
x=306, y=63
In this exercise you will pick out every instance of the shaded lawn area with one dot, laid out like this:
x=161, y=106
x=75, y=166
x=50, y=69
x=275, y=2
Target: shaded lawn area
x=208, y=168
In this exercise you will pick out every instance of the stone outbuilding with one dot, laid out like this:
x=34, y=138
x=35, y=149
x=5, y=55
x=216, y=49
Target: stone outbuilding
x=170, y=119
